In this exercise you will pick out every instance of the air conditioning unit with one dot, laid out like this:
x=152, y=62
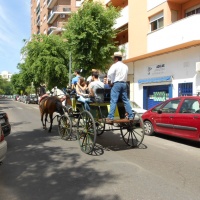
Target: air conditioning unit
x=62, y=16
x=197, y=66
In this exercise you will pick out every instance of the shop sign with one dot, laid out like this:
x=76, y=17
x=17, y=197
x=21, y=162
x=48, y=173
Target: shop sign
x=156, y=70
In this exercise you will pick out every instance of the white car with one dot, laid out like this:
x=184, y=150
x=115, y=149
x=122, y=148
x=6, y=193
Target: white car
x=138, y=110
x=3, y=146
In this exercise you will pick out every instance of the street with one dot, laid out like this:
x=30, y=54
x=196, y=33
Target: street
x=41, y=166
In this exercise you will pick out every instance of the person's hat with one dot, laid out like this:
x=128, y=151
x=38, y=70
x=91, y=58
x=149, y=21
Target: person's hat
x=117, y=54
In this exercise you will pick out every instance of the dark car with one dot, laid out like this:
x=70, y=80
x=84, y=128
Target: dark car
x=4, y=121
x=3, y=146
x=178, y=117
x=32, y=99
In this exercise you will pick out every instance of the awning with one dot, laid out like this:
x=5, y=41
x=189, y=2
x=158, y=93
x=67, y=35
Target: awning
x=155, y=80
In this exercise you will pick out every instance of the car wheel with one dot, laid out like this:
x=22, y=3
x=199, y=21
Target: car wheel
x=148, y=128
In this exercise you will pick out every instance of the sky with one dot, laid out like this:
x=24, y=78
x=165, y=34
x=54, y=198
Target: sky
x=15, y=25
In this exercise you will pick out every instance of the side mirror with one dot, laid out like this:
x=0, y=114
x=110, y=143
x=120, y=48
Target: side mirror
x=159, y=111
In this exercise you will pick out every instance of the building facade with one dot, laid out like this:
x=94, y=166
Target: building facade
x=49, y=16
x=163, y=48
x=6, y=75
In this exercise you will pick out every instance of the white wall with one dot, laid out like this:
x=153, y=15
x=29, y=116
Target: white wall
x=153, y=3
x=180, y=64
x=181, y=31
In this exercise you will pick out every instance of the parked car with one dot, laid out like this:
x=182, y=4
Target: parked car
x=178, y=117
x=4, y=123
x=137, y=110
x=3, y=145
x=32, y=99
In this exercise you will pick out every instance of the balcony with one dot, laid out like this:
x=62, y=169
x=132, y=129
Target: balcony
x=179, y=32
x=79, y=3
x=121, y=21
x=38, y=21
x=38, y=9
x=54, y=30
x=58, y=10
x=51, y=3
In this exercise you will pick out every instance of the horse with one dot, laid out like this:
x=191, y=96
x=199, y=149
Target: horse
x=48, y=105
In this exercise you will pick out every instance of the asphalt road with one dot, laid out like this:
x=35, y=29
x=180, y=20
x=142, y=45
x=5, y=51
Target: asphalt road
x=41, y=166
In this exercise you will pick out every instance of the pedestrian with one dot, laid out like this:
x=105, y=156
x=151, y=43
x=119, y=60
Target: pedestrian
x=117, y=75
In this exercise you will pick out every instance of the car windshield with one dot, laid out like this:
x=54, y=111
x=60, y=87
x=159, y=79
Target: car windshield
x=134, y=105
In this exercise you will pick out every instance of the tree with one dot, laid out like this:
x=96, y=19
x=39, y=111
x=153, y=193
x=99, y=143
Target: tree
x=90, y=36
x=46, y=61
x=17, y=83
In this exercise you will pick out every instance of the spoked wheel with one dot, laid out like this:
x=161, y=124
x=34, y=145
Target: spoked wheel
x=133, y=133
x=64, y=127
x=100, y=125
x=86, y=131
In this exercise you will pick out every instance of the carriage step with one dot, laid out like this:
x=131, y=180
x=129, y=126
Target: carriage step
x=116, y=120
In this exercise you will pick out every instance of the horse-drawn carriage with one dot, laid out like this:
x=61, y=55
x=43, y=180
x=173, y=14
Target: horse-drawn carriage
x=90, y=124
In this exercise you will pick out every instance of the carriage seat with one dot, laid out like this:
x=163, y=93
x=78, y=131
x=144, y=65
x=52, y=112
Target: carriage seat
x=104, y=94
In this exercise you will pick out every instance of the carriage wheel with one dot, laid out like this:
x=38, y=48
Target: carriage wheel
x=86, y=131
x=65, y=127
x=100, y=124
x=133, y=133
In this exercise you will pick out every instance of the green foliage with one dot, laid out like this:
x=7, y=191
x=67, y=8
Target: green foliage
x=46, y=61
x=17, y=83
x=90, y=36
x=5, y=87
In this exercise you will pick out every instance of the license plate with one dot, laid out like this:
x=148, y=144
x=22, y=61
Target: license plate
x=2, y=121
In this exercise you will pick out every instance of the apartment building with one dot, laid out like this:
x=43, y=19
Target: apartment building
x=162, y=44
x=49, y=16
x=6, y=75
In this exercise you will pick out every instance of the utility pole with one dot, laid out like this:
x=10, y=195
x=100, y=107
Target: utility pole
x=70, y=68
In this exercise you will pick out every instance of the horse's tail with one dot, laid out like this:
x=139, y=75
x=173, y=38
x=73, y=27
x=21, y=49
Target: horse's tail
x=59, y=107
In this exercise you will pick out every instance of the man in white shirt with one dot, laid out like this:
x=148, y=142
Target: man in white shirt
x=117, y=75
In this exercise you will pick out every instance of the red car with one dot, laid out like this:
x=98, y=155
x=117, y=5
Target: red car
x=178, y=117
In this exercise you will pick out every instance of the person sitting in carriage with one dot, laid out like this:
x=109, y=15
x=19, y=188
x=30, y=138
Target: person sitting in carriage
x=93, y=86
x=81, y=92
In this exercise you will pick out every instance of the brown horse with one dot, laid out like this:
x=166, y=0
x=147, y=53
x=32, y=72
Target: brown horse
x=49, y=105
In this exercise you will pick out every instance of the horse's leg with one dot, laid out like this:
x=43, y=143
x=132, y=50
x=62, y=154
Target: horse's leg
x=42, y=116
x=45, y=122
x=51, y=121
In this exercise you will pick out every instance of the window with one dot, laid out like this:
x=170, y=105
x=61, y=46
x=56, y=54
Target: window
x=185, y=89
x=193, y=11
x=156, y=21
x=190, y=106
x=171, y=106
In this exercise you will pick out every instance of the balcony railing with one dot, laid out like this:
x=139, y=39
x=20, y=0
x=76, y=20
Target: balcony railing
x=179, y=32
x=56, y=11
x=54, y=30
x=123, y=19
